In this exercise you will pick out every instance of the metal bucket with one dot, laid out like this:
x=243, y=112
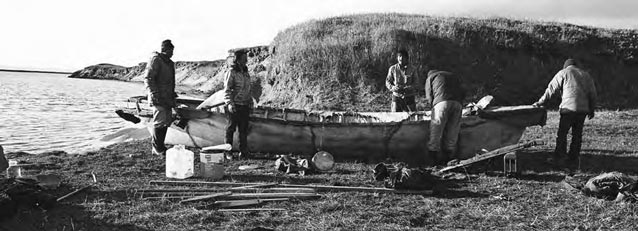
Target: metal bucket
x=210, y=165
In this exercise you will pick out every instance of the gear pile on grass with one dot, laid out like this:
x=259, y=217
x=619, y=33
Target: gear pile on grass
x=610, y=186
x=398, y=176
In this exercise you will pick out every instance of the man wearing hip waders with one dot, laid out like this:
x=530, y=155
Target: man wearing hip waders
x=160, y=85
x=444, y=93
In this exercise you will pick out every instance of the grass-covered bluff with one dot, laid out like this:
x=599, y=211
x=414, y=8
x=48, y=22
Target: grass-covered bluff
x=341, y=62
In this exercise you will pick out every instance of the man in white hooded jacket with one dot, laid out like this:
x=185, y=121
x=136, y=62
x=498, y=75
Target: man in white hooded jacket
x=578, y=100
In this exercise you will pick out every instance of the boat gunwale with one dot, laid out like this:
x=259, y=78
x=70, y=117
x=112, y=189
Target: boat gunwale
x=476, y=118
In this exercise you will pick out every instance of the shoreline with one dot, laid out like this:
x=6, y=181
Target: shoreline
x=32, y=71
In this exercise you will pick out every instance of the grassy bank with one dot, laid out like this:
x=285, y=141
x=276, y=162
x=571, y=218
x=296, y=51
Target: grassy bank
x=341, y=62
x=534, y=201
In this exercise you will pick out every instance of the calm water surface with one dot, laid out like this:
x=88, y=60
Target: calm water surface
x=46, y=112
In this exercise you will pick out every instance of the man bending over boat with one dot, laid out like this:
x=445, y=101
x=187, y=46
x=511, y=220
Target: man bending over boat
x=444, y=93
x=160, y=85
x=400, y=81
x=238, y=101
x=578, y=99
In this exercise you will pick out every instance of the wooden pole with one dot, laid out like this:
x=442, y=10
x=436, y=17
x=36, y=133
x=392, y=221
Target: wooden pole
x=316, y=187
x=73, y=193
x=272, y=195
x=166, y=197
x=359, y=189
x=243, y=196
x=238, y=189
x=206, y=197
x=250, y=210
x=221, y=184
x=237, y=203
x=257, y=186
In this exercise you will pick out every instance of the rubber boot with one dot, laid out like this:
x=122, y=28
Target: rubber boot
x=157, y=139
x=434, y=156
x=245, y=154
x=444, y=157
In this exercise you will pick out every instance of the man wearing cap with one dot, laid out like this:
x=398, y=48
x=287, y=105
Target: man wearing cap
x=443, y=91
x=238, y=101
x=160, y=85
x=578, y=100
x=400, y=81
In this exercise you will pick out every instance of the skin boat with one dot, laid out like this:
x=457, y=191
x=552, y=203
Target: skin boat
x=349, y=135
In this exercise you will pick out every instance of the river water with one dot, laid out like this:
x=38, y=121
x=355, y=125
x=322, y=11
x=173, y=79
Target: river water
x=48, y=112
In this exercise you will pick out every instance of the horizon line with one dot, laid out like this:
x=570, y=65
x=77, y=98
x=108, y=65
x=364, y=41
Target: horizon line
x=35, y=71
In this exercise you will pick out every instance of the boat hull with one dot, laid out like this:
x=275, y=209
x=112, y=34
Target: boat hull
x=355, y=136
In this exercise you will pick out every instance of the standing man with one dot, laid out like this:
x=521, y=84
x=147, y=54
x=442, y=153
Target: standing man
x=400, y=81
x=578, y=100
x=160, y=84
x=444, y=93
x=238, y=101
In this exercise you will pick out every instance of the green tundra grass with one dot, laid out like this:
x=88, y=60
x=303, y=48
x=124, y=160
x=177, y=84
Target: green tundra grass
x=486, y=201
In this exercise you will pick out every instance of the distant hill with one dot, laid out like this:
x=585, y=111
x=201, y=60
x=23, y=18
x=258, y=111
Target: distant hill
x=197, y=78
x=340, y=63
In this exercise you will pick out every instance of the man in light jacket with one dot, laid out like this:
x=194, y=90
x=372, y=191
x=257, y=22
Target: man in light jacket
x=160, y=85
x=578, y=100
x=238, y=101
x=445, y=94
x=400, y=81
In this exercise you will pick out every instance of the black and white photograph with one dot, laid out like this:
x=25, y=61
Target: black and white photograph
x=318, y=115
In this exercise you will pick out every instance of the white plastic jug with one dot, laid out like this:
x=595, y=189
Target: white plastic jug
x=179, y=162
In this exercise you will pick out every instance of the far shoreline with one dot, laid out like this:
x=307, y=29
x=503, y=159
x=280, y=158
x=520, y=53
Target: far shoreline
x=32, y=71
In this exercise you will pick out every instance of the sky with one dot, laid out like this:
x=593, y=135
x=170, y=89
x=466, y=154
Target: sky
x=67, y=35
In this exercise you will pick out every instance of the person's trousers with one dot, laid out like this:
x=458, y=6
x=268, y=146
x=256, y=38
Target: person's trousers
x=162, y=118
x=403, y=104
x=574, y=121
x=445, y=125
x=239, y=120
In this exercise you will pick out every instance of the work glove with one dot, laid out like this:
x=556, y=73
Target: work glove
x=536, y=104
x=154, y=98
x=231, y=108
x=590, y=115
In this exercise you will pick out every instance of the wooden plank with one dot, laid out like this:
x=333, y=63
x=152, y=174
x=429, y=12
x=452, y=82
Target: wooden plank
x=221, y=184
x=316, y=187
x=359, y=189
x=166, y=198
x=250, y=210
x=206, y=197
x=494, y=153
x=273, y=195
x=248, y=196
x=238, y=203
x=257, y=186
x=239, y=189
